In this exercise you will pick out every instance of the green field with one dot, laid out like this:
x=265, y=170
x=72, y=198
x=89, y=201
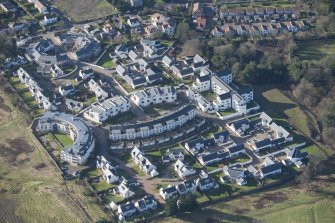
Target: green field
x=63, y=139
x=314, y=151
x=80, y=10
x=279, y=106
x=31, y=187
x=286, y=112
x=288, y=203
x=315, y=49
x=254, y=4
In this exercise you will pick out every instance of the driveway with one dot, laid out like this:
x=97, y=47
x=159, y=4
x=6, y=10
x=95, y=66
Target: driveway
x=108, y=75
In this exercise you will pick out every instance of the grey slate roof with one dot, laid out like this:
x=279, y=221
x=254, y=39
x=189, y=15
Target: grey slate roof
x=84, y=137
x=204, y=78
x=245, y=89
x=237, y=148
x=192, y=143
x=262, y=143
x=224, y=133
x=169, y=190
x=271, y=168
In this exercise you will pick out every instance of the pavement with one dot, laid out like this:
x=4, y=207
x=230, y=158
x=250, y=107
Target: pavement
x=102, y=148
x=108, y=75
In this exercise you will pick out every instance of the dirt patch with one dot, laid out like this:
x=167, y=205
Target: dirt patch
x=39, y=166
x=3, y=106
x=190, y=47
x=16, y=151
x=269, y=199
x=4, y=110
x=241, y=210
x=7, y=211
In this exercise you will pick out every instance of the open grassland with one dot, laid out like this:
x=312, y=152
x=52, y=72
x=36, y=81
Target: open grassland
x=315, y=49
x=279, y=106
x=254, y=4
x=81, y=10
x=287, y=112
x=31, y=189
x=289, y=203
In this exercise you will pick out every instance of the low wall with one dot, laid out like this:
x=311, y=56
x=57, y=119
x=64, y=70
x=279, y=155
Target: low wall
x=256, y=108
x=230, y=116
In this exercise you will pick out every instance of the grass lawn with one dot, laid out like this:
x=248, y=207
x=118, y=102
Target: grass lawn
x=212, y=167
x=155, y=153
x=105, y=61
x=321, y=211
x=112, y=197
x=283, y=109
x=197, y=166
x=121, y=118
x=274, y=102
x=138, y=171
x=287, y=203
x=32, y=103
x=26, y=95
x=240, y=159
x=123, y=83
x=91, y=99
x=30, y=184
x=102, y=185
x=227, y=112
x=210, y=95
x=108, y=64
x=214, y=194
x=166, y=43
x=210, y=132
x=126, y=158
x=80, y=10
x=14, y=79
x=139, y=192
x=167, y=80
x=234, y=188
x=158, y=186
x=177, y=80
x=201, y=198
x=265, y=4
x=314, y=151
x=19, y=86
x=63, y=139
x=93, y=173
x=38, y=112
x=68, y=69
x=315, y=49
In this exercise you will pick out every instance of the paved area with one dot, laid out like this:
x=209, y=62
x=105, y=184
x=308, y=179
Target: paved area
x=148, y=183
x=108, y=75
